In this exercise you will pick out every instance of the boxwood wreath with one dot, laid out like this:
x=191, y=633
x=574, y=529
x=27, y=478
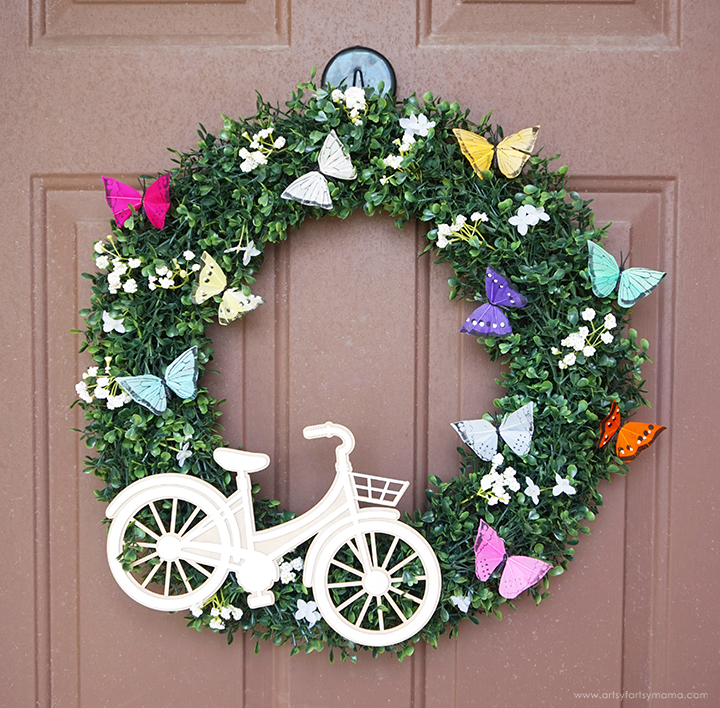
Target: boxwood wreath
x=226, y=201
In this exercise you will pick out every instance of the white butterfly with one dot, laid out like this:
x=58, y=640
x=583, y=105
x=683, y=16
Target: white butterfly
x=516, y=429
x=312, y=189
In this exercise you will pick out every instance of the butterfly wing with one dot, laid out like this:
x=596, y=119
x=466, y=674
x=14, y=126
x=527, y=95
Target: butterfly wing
x=604, y=270
x=333, y=161
x=634, y=437
x=521, y=573
x=120, y=197
x=636, y=283
x=235, y=304
x=477, y=149
x=489, y=551
x=499, y=292
x=517, y=429
x=610, y=425
x=479, y=435
x=310, y=189
x=515, y=150
x=487, y=319
x=181, y=374
x=211, y=280
x=147, y=390
x=156, y=201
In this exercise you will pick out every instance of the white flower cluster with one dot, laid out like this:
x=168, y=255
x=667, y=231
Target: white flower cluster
x=165, y=277
x=528, y=215
x=584, y=340
x=353, y=101
x=562, y=486
x=288, y=568
x=107, y=257
x=496, y=486
x=102, y=387
x=219, y=614
x=262, y=145
x=460, y=229
x=413, y=125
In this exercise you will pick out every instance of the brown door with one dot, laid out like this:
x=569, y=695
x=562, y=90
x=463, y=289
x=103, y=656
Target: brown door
x=626, y=91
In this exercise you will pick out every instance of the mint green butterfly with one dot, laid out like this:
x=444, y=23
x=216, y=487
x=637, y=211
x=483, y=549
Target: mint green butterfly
x=633, y=283
x=151, y=391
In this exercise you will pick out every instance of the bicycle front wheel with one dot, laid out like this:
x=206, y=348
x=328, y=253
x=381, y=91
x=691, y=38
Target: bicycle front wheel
x=377, y=583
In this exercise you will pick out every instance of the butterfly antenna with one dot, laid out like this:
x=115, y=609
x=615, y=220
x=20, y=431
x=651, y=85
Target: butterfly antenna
x=623, y=261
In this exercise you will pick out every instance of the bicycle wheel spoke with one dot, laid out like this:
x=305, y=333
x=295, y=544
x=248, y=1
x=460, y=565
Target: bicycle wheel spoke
x=151, y=575
x=408, y=595
x=197, y=567
x=173, y=515
x=403, y=563
x=145, y=529
x=336, y=562
x=381, y=617
x=188, y=587
x=389, y=554
x=347, y=584
x=144, y=559
x=373, y=548
x=191, y=518
x=361, y=617
x=349, y=601
x=398, y=611
x=158, y=520
x=168, y=572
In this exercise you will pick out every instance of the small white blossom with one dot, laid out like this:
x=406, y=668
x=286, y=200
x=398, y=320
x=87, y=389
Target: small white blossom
x=606, y=337
x=134, y=263
x=442, y=240
x=101, y=392
x=478, y=216
x=458, y=223
x=562, y=486
x=119, y=267
x=532, y=490
x=337, y=95
x=118, y=401
x=250, y=252
x=569, y=359
x=286, y=574
x=184, y=453
x=528, y=215
x=113, y=282
x=82, y=391
x=588, y=351
x=111, y=324
x=462, y=602
x=307, y=611
x=497, y=460
x=217, y=623
x=355, y=98
x=279, y=143
x=393, y=161
x=99, y=247
x=444, y=230
x=588, y=314
x=166, y=283
x=196, y=610
x=554, y=350
x=92, y=371
x=102, y=262
x=297, y=563
x=130, y=286
x=161, y=270
x=384, y=179
x=188, y=256
x=151, y=282
x=610, y=322
x=417, y=125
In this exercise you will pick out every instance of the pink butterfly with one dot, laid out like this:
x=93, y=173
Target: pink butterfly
x=155, y=201
x=520, y=572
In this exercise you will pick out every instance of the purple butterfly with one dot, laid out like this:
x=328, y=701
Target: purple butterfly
x=489, y=318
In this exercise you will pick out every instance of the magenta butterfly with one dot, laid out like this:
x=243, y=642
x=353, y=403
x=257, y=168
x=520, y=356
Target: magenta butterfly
x=520, y=572
x=156, y=200
x=489, y=318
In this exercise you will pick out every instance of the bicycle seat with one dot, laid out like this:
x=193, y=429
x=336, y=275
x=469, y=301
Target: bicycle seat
x=240, y=460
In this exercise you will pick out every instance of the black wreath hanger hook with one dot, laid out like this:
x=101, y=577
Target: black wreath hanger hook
x=361, y=67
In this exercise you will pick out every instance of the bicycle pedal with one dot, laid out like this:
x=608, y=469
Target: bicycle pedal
x=260, y=599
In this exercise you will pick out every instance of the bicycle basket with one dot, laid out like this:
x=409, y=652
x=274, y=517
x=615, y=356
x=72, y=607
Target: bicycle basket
x=378, y=490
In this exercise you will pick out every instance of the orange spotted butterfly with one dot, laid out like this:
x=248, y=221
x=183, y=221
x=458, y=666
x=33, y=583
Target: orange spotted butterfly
x=632, y=438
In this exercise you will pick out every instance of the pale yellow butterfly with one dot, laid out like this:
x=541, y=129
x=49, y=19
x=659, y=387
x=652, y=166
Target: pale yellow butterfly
x=512, y=153
x=212, y=281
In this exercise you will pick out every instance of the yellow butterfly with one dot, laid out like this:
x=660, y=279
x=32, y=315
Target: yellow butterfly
x=512, y=152
x=212, y=281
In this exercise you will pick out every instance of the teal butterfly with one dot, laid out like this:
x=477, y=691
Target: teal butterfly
x=605, y=274
x=151, y=391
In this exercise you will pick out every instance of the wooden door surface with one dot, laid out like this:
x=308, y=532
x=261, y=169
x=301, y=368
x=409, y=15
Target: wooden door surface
x=359, y=330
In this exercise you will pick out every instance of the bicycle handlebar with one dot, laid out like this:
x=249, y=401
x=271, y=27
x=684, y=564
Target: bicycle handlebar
x=342, y=451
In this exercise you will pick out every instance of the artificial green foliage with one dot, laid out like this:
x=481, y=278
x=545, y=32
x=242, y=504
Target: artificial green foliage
x=218, y=203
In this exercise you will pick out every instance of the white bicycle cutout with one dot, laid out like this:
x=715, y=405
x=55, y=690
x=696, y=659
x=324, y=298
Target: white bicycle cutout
x=376, y=580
